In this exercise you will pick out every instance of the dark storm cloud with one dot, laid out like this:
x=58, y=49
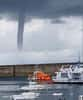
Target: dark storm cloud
x=43, y=8
x=50, y=9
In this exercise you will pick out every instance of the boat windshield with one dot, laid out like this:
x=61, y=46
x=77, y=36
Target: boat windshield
x=64, y=75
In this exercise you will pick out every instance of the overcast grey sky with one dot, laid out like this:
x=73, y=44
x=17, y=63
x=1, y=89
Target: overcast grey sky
x=52, y=32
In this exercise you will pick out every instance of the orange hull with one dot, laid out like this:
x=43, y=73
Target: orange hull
x=42, y=77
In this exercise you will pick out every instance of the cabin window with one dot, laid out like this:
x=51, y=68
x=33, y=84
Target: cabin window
x=64, y=75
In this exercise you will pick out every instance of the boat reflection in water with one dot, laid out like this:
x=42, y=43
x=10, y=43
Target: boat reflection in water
x=54, y=92
x=25, y=96
x=33, y=86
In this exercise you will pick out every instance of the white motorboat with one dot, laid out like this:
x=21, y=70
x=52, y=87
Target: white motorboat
x=25, y=96
x=67, y=74
x=77, y=73
x=63, y=75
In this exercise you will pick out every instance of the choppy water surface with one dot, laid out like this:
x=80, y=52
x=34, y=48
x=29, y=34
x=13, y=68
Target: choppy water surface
x=70, y=92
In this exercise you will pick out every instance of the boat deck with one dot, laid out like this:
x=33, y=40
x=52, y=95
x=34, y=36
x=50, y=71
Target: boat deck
x=68, y=82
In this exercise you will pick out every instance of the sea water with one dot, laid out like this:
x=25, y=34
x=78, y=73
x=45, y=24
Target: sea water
x=69, y=91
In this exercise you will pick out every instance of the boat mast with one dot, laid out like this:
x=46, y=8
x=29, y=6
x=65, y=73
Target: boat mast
x=81, y=43
x=79, y=58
